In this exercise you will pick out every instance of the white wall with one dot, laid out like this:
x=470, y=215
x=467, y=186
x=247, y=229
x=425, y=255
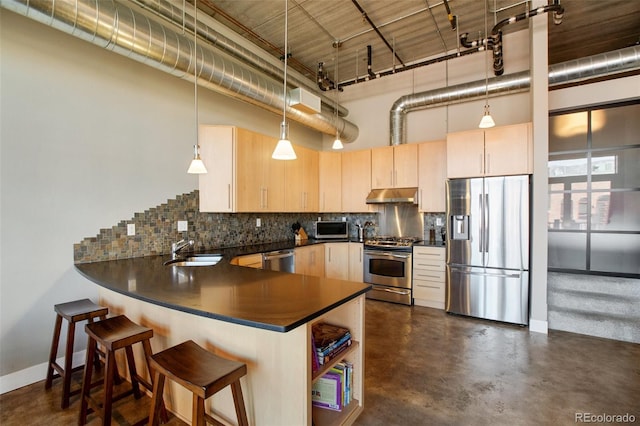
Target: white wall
x=88, y=138
x=369, y=103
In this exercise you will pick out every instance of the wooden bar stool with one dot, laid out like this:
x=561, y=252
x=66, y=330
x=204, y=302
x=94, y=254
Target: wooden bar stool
x=201, y=372
x=73, y=312
x=113, y=333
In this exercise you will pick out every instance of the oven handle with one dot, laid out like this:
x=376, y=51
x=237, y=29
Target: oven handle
x=388, y=290
x=383, y=254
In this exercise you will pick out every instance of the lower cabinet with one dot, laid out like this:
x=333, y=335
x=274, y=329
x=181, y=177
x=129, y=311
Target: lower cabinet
x=336, y=260
x=309, y=260
x=249, y=261
x=356, y=271
x=429, y=276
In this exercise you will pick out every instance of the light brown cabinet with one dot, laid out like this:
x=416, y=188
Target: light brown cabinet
x=394, y=166
x=301, y=177
x=504, y=150
x=309, y=260
x=336, y=260
x=241, y=175
x=429, y=276
x=249, y=261
x=356, y=264
x=330, y=181
x=356, y=181
x=432, y=166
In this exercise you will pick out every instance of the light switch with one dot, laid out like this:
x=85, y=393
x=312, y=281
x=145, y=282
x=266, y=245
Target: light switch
x=438, y=221
x=182, y=225
x=258, y=223
x=131, y=229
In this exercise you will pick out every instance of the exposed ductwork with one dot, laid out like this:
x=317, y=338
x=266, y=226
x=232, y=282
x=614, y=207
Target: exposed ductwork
x=129, y=32
x=570, y=72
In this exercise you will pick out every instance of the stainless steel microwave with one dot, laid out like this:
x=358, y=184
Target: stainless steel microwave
x=329, y=229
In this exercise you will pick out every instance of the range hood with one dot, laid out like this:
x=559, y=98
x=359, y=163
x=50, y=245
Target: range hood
x=393, y=195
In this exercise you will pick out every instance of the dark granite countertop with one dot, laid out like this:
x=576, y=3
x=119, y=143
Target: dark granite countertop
x=253, y=297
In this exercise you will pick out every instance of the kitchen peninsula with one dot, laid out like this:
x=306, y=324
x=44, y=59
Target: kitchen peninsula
x=262, y=318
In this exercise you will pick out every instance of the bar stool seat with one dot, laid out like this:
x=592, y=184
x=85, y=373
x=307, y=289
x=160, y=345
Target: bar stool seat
x=201, y=372
x=73, y=312
x=114, y=333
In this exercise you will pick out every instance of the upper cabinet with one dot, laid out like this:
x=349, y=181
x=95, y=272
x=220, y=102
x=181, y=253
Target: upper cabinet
x=504, y=150
x=301, y=177
x=432, y=166
x=356, y=181
x=330, y=182
x=242, y=176
x=394, y=166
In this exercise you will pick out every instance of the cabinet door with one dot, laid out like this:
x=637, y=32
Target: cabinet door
x=274, y=172
x=405, y=166
x=356, y=180
x=336, y=260
x=216, y=186
x=356, y=264
x=432, y=165
x=310, y=175
x=382, y=173
x=330, y=181
x=508, y=150
x=315, y=261
x=465, y=154
x=250, y=171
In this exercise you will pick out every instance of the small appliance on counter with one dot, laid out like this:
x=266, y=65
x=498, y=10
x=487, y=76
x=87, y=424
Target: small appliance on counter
x=330, y=230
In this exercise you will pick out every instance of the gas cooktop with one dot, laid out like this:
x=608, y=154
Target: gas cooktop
x=388, y=242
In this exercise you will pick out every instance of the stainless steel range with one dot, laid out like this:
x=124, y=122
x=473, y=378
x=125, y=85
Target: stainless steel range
x=387, y=265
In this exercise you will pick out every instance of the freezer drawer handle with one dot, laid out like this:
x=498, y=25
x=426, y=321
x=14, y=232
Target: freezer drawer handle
x=388, y=290
x=492, y=274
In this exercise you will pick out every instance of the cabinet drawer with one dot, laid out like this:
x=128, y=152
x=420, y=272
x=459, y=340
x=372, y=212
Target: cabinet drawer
x=428, y=290
x=428, y=264
x=429, y=253
x=430, y=275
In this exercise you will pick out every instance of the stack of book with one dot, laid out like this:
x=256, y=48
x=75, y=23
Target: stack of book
x=328, y=342
x=333, y=389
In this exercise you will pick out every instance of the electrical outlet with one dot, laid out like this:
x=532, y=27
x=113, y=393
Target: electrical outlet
x=182, y=225
x=258, y=222
x=438, y=221
x=344, y=218
x=131, y=229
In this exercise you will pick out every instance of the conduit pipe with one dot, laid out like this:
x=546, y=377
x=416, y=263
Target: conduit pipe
x=494, y=41
x=124, y=30
x=570, y=72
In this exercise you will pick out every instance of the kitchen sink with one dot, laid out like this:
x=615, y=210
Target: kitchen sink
x=195, y=260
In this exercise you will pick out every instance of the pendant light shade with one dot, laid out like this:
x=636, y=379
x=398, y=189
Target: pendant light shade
x=487, y=120
x=197, y=166
x=284, y=149
x=337, y=144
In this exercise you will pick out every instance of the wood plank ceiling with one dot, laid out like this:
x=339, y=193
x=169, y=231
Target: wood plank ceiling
x=414, y=29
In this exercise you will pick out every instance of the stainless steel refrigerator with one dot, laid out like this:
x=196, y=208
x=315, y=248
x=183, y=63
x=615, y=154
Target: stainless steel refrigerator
x=488, y=248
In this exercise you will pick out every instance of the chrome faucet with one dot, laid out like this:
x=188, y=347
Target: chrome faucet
x=176, y=247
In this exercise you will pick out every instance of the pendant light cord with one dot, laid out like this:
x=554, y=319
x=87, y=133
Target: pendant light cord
x=337, y=86
x=195, y=66
x=486, y=52
x=286, y=41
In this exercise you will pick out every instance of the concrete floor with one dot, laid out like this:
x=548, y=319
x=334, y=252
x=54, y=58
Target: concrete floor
x=424, y=367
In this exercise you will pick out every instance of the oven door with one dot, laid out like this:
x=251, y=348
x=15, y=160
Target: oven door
x=390, y=268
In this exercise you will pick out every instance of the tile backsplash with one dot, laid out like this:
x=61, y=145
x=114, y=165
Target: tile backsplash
x=156, y=229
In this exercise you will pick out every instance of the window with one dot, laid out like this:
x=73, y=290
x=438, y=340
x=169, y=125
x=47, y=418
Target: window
x=594, y=190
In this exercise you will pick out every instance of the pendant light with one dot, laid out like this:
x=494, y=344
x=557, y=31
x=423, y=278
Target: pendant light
x=196, y=166
x=284, y=149
x=487, y=120
x=337, y=144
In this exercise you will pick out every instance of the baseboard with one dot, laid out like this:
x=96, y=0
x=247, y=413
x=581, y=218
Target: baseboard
x=34, y=374
x=538, y=326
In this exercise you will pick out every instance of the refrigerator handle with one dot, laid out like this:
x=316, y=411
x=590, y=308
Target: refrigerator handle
x=486, y=223
x=482, y=222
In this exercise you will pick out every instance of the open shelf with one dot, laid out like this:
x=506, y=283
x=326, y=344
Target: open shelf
x=326, y=417
x=326, y=367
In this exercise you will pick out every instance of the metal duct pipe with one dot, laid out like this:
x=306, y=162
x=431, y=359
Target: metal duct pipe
x=126, y=31
x=570, y=72
x=174, y=14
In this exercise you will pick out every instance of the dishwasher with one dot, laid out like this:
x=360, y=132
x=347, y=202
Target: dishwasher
x=280, y=260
